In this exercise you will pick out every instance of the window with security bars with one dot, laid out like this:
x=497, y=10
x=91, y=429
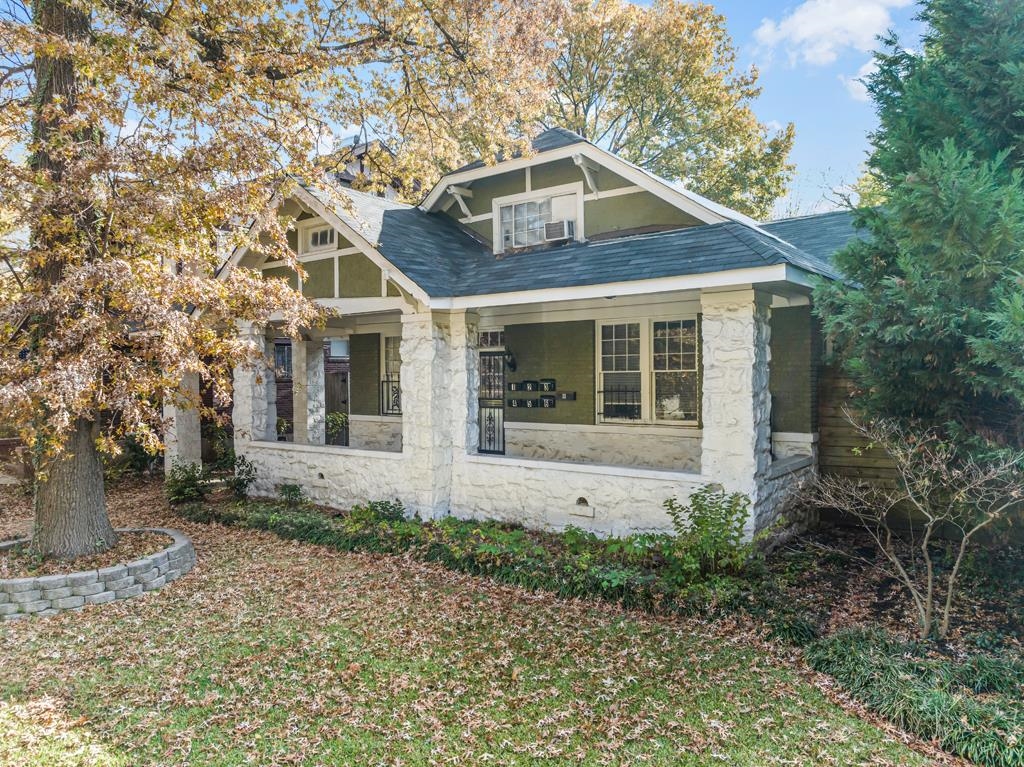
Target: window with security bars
x=649, y=371
x=391, y=388
x=621, y=394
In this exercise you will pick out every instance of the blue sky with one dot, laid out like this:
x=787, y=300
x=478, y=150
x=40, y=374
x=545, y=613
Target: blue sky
x=810, y=54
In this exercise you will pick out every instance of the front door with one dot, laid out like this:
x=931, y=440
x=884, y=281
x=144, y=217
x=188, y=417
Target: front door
x=492, y=402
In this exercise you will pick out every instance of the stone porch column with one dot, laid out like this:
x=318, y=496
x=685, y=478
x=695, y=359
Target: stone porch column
x=254, y=409
x=426, y=380
x=735, y=404
x=183, y=435
x=308, y=395
x=465, y=385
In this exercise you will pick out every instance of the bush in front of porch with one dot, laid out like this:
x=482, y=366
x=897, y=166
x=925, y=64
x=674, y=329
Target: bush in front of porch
x=705, y=566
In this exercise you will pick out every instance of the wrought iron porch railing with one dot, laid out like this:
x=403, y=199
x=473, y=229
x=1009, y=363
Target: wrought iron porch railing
x=390, y=397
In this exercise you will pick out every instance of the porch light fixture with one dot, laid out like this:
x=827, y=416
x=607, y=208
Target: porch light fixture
x=510, y=360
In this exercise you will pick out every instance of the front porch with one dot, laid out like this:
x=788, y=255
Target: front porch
x=539, y=413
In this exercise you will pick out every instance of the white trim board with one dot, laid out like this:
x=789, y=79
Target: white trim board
x=733, y=279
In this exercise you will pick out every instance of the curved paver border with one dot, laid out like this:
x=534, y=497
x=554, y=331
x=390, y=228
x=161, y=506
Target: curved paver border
x=51, y=594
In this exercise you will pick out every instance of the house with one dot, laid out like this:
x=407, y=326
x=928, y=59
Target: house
x=556, y=339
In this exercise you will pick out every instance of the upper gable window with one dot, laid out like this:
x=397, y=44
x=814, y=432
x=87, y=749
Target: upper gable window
x=534, y=222
x=321, y=238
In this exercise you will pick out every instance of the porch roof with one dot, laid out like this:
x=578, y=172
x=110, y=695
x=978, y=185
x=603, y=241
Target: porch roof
x=445, y=261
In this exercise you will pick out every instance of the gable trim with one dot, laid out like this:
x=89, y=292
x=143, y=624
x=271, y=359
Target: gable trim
x=365, y=247
x=691, y=204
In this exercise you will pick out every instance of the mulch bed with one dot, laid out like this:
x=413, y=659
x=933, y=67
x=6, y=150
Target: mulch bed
x=18, y=562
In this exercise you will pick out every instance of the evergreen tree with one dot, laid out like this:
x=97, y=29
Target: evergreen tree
x=931, y=323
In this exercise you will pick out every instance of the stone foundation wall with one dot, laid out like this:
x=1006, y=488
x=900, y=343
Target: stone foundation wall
x=545, y=495
x=375, y=434
x=333, y=476
x=51, y=594
x=654, y=448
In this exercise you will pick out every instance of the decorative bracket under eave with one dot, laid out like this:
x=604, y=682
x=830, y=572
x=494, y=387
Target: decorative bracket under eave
x=590, y=169
x=459, y=194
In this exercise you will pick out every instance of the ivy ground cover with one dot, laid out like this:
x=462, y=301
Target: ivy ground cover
x=273, y=652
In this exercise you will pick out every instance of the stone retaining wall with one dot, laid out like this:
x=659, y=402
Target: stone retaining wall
x=51, y=594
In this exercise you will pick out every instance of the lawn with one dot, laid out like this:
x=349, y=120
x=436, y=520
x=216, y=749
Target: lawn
x=272, y=652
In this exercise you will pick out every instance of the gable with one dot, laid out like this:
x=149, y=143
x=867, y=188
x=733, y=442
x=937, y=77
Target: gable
x=618, y=207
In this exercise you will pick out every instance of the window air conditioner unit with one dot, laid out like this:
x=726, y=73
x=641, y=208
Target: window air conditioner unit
x=556, y=231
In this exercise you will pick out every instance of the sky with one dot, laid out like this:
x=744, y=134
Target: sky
x=810, y=55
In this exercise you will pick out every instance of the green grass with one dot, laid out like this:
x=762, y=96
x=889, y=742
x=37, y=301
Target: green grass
x=272, y=652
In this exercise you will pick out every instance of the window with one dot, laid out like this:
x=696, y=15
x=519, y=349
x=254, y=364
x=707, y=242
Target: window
x=392, y=356
x=491, y=339
x=649, y=371
x=338, y=348
x=675, y=370
x=620, y=371
x=283, y=359
x=522, y=224
x=391, y=388
x=321, y=238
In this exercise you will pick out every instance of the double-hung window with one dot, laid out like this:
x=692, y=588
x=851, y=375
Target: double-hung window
x=649, y=371
x=522, y=224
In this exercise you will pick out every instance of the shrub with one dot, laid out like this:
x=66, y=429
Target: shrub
x=291, y=495
x=186, y=483
x=335, y=424
x=709, y=532
x=793, y=628
x=242, y=478
x=630, y=571
x=932, y=698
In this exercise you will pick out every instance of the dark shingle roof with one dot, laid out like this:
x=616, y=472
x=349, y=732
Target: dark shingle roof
x=695, y=250
x=552, y=138
x=444, y=260
x=819, y=235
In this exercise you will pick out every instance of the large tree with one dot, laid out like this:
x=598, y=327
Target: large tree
x=930, y=324
x=141, y=137
x=659, y=86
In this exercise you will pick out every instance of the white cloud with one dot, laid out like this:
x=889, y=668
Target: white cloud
x=855, y=84
x=816, y=32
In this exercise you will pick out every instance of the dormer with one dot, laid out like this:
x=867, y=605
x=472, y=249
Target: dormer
x=568, y=191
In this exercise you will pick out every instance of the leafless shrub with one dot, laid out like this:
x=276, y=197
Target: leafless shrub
x=949, y=492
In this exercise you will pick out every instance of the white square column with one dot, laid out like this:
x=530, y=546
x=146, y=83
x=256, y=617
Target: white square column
x=465, y=386
x=735, y=401
x=254, y=404
x=308, y=393
x=183, y=443
x=426, y=380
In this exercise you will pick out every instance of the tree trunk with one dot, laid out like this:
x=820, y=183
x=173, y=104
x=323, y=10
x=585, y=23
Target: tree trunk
x=70, y=506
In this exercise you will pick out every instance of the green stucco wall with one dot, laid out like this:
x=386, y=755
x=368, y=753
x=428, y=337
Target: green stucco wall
x=319, y=282
x=282, y=272
x=793, y=371
x=358, y=277
x=631, y=211
x=560, y=350
x=364, y=378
